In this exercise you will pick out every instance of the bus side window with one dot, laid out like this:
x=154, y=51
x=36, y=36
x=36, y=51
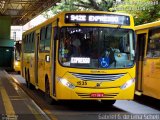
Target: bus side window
x=42, y=40
x=154, y=44
x=48, y=37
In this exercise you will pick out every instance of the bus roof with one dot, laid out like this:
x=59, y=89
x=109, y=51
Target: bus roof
x=50, y=20
x=148, y=25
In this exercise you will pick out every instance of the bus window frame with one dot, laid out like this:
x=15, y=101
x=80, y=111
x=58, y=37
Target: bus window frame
x=45, y=38
x=149, y=42
x=134, y=46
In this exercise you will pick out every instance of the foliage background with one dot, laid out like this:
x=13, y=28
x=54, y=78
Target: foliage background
x=143, y=11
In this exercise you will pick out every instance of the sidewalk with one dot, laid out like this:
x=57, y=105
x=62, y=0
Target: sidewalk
x=15, y=104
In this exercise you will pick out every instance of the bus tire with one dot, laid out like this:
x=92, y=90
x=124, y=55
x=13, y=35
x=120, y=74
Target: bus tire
x=48, y=98
x=26, y=77
x=29, y=85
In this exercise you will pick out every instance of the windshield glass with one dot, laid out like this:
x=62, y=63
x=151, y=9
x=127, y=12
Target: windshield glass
x=17, y=51
x=92, y=47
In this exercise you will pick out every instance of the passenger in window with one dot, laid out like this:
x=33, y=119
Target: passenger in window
x=94, y=44
x=109, y=52
x=127, y=48
x=149, y=54
x=113, y=47
x=68, y=48
x=86, y=48
x=76, y=45
x=156, y=53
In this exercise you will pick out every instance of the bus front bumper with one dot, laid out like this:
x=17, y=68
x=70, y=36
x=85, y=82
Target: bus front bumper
x=78, y=93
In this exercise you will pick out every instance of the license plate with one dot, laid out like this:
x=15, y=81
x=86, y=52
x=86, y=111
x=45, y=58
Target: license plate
x=96, y=95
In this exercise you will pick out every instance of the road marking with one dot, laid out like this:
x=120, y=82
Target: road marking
x=6, y=101
x=10, y=113
x=15, y=98
x=35, y=113
x=41, y=111
x=50, y=114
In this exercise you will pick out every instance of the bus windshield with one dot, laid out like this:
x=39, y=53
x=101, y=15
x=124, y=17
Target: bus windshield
x=17, y=51
x=96, y=47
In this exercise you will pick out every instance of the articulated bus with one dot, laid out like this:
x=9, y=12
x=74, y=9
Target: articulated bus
x=148, y=64
x=82, y=56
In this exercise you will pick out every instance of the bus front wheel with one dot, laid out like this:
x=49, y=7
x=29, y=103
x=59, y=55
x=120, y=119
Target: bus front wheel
x=29, y=85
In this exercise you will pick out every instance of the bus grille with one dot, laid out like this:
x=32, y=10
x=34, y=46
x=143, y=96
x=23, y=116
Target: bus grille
x=87, y=95
x=95, y=77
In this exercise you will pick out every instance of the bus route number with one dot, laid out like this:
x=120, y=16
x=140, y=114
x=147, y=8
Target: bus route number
x=81, y=83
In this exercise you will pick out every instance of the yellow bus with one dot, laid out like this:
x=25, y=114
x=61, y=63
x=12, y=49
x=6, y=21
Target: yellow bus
x=148, y=64
x=17, y=53
x=82, y=56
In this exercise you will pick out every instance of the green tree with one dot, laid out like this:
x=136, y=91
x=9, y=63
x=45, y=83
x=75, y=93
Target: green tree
x=144, y=11
x=77, y=5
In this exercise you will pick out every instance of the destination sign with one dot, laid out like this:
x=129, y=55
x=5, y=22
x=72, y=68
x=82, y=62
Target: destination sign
x=97, y=18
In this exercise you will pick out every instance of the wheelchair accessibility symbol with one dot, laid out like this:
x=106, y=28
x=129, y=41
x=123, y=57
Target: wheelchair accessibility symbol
x=104, y=62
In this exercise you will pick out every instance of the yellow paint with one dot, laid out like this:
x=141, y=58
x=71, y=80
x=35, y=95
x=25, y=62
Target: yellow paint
x=62, y=92
x=151, y=66
x=35, y=113
x=9, y=110
x=17, y=65
x=7, y=103
x=151, y=78
x=50, y=114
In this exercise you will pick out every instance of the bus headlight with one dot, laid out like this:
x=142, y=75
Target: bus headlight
x=66, y=83
x=127, y=84
x=16, y=63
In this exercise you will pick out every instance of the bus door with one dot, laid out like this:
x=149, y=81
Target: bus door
x=54, y=46
x=36, y=58
x=141, y=46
